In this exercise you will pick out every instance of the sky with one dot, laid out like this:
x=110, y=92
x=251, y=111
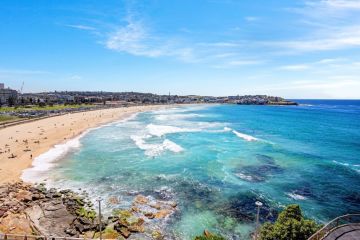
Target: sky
x=289, y=48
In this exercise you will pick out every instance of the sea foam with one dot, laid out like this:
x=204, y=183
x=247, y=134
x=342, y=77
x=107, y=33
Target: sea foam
x=168, y=117
x=245, y=136
x=47, y=160
x=296, y=196
x=160, y=130
x=153, y=149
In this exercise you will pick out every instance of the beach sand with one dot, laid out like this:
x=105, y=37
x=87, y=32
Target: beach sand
x=20, y=144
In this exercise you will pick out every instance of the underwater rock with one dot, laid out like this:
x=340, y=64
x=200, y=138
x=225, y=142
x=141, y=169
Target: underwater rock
x=260, y=172
x=157, y=235
x=242, y=207
x=141, y=199
x=113, y=200
x=162, y=213
x=265, y=158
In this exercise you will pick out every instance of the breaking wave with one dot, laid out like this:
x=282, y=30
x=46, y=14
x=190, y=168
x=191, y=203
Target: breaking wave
x=245, y=136
x=47, y=160
x=296, y=196
x=167, y=117
x=153, y=149
x=160, y=130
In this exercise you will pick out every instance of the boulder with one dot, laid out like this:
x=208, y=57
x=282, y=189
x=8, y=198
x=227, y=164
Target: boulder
x=162, y=213
x=149, y=215
x=51, y=218
x=157, y=235
x=113, y=200
x=16, y=224
x=141, y=199
x=125, y=232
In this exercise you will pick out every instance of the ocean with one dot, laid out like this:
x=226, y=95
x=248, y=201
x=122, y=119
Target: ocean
x=215, y=161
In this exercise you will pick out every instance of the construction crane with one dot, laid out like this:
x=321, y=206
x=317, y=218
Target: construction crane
x=21, y=89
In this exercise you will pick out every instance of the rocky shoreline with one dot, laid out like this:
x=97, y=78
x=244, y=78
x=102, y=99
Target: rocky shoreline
x=36, y=210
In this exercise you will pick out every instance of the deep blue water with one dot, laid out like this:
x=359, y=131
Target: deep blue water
x=217, y=160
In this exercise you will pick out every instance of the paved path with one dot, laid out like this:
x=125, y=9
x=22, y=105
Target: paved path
x=346, y=232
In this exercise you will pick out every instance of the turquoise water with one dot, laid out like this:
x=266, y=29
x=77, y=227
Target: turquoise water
x=217, y=160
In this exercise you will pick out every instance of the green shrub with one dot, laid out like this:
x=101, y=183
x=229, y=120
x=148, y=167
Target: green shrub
x=290, y=225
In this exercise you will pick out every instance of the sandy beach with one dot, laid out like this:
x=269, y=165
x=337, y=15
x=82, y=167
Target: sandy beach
x=20, y=144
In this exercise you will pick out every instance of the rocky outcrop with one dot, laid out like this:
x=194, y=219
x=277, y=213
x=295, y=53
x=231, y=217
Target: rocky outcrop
x=35, y=210
x=146, y=218
x=27, y=209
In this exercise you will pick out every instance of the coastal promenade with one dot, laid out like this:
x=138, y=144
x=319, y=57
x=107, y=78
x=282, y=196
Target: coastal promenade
x=346, y=232
x=346, y=227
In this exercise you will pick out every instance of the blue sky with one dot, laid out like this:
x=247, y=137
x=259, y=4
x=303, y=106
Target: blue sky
x=290, y=48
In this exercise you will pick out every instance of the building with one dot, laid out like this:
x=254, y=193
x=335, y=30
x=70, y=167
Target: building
x=7, y=96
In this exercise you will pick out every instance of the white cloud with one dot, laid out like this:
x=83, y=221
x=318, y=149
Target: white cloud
x=330, y=25
x=81, y=27
x=337, y=38
x=244, y=62
x=342, y=88
x=252, y=19
x=341, y=4
x=134, y=38
x=237, y=63
x=331, y=60
x=297, y=67
x=322, y=63
x=75, y=77
x=220, y=44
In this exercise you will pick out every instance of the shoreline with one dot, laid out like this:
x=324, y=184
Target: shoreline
x=21, y=144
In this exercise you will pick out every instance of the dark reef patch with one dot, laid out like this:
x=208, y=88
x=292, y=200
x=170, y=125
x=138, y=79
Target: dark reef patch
x=261, y=172
x=242, y=207
x=264, y=158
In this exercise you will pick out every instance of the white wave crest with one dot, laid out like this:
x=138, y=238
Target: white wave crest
x=181, y=109
x=153, y=149
x=167, y=117
x=227, y=129
x=47, y=160
x=245, y=136
x=245, y=177
x=160, y=130
x=341, y=163
x=296, y=196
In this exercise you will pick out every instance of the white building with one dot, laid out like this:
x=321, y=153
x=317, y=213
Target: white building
x=6, y=94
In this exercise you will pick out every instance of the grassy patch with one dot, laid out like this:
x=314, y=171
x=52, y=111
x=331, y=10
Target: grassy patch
x=45, y=108
x=7, y=118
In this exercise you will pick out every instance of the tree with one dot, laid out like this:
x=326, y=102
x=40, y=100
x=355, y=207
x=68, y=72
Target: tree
x=11, y=100
x=290, y=225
